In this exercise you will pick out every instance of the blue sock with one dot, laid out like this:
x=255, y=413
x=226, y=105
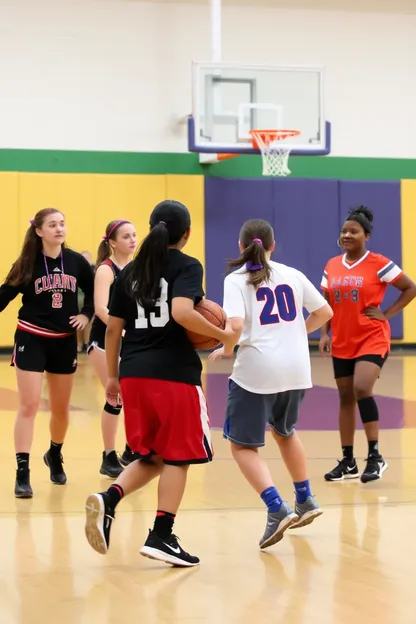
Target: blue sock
x=272, y=499
x=303, y=490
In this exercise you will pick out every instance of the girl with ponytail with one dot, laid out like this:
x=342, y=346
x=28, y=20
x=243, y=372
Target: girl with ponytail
x=264, y=301
x=114, y=253
x=48, y=275
x=159, y=378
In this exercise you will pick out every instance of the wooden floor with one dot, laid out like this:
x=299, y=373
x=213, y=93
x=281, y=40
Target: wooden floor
x=354, y=565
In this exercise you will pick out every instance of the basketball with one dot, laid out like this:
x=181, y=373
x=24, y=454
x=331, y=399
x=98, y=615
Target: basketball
x=215, y=315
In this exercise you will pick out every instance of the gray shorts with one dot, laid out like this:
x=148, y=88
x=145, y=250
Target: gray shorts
x=248, y=414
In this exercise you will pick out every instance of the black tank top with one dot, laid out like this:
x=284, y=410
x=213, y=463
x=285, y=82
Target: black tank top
x=98, y=328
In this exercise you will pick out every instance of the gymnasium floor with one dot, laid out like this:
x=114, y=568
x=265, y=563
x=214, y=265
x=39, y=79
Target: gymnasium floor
x=354, y=564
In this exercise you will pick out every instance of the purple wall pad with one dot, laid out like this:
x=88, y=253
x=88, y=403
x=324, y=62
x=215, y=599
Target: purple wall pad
x=303, y=212
x=228, y=203
x=306, y=225
x=384, y=199
x=319, y=410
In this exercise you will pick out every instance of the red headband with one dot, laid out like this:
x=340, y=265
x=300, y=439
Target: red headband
x=115, y=226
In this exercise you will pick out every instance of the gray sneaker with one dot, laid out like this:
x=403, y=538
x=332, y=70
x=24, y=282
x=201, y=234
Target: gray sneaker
x=277, y=523
x=307, y=512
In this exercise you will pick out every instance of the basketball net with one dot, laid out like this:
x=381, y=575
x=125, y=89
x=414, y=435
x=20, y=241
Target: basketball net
x=274, y=153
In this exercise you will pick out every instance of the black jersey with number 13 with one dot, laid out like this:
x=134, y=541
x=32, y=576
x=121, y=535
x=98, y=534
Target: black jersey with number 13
x=154, y=345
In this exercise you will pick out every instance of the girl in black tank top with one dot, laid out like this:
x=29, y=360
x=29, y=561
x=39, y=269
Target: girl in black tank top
x=114, y=253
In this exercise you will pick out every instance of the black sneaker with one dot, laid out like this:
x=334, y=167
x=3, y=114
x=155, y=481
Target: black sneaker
x=374, y=468
x=110, y=466
x=22, y=488
x=54, y=463
x=128, y=456
x=345, y=470
x=99, y=518
x=167, y=550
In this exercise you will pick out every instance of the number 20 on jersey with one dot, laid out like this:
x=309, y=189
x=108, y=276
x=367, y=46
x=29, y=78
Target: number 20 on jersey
x=283, y=298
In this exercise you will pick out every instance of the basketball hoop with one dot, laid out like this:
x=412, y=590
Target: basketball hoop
x=275, y=155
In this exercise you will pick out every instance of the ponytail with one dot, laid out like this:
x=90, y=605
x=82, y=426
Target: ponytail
x=103, y=252
x=145, y=272
x=254, y=257
x=257, y=237
x=21, y=272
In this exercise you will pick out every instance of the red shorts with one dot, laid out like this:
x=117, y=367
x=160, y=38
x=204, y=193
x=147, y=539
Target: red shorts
x=168, y=419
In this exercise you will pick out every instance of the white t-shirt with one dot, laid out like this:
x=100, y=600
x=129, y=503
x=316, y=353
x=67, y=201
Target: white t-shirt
x=274, y=353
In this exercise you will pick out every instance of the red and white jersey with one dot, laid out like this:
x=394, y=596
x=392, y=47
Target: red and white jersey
x=352, y=287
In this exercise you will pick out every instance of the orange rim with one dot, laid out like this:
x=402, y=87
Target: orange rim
x=268, y=136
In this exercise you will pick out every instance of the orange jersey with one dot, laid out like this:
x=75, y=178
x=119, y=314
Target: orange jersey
x=352, y=287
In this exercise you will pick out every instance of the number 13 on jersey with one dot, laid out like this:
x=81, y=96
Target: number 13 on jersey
x=155, y=320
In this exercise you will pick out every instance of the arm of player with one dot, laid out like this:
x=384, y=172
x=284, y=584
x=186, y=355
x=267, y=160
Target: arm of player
x=235, y=309
x=320, y=312
x=318, y=318
x=325, y=342
x=86, y=283
x=187, y=290
x=326, y=327
x=408, y=288
x=236, y=325
x=184, y=313
x=7, y=294
x=115, y=326
x=118, y=306
x=104, y=278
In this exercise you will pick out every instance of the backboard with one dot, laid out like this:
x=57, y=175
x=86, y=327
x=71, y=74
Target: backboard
x=230, y=100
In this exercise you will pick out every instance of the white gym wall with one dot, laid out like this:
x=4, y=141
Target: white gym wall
x=116, y=74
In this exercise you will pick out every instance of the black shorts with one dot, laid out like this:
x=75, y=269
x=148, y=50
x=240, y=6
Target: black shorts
x=345, y=368
x=97, y=335
x=39, y=354
x=248, y=414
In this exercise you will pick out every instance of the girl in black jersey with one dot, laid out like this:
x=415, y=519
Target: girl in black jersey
x=164, y=406
x=114, y=252
x=48, y=275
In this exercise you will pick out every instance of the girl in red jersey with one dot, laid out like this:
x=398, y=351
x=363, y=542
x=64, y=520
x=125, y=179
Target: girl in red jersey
x=354, y=285
x=48, y=276
x=159, y=378
x=114, y=253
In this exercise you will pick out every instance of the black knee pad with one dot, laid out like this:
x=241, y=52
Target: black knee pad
x=112, y=410
x=368, y=410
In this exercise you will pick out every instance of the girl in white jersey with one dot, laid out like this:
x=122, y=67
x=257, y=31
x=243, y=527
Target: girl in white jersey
x=264, y=302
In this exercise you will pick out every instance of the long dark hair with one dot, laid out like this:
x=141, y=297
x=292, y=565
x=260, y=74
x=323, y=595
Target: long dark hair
x=22, y=270
x=169, y=221
x=257, y=237
x=104, y=250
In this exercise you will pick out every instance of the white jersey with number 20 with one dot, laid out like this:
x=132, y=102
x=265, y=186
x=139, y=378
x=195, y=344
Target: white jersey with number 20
x=273, y=354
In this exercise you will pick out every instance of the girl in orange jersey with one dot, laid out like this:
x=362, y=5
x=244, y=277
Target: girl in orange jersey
x=354, y=284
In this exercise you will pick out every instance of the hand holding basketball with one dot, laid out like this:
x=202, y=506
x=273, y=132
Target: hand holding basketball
x=213, y=313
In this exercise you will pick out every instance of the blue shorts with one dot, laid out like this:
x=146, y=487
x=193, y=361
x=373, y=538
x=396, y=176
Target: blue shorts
x=248, y=414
